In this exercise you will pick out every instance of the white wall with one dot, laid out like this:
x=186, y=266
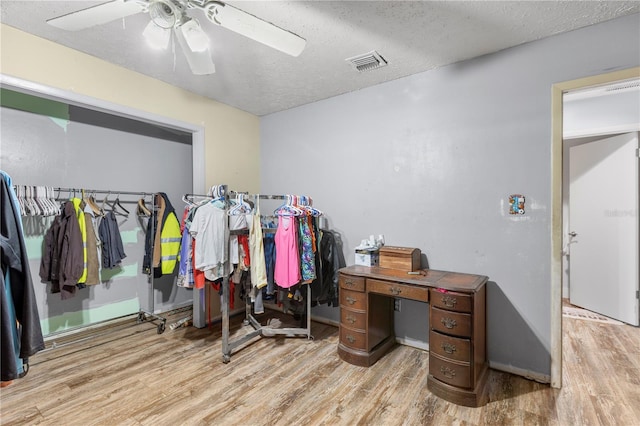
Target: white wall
x=430, y=160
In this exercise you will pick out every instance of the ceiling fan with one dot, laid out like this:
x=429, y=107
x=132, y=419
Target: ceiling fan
x=171, y=16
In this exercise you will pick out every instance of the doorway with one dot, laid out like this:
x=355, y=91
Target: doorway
x=557, y=229
x=601, y=247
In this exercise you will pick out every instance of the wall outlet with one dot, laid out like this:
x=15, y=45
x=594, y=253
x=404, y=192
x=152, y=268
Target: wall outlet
x=396, y=305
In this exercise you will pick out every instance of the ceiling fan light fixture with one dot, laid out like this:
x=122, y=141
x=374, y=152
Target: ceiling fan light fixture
x=165, y=13
x=156, y=37
x=194, y=35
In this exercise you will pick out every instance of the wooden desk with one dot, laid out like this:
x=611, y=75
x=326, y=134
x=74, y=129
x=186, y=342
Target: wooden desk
x=457, y=358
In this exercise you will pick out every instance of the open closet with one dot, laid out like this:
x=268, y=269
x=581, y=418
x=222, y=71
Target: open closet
x=67, y=148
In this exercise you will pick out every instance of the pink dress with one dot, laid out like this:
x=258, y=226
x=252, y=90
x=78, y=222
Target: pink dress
x=287, y=266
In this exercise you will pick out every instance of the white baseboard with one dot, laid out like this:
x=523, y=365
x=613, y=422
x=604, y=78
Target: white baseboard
x=531, y=375
x=407, y=341
x=325, y=321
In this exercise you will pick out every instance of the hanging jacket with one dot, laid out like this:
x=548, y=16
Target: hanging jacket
x=112, y=248
x=324, y=289
x=62, y=261
x=70, y=249
x=50, y=261
x=162, y=243
x=19, y=286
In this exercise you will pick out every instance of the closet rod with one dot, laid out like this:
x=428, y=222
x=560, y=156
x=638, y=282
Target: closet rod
x=262, y=197
x=103, y=191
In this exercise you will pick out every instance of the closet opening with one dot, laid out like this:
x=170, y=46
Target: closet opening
x=131, y=166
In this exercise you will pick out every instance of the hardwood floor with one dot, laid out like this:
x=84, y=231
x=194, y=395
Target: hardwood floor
x=134, y=376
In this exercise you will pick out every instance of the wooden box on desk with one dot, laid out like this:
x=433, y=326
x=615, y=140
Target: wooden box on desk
x=403, y=258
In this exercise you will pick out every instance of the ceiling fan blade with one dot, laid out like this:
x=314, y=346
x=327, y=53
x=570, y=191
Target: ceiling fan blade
x=255, y=28
x=199, y=62
x=96, y=15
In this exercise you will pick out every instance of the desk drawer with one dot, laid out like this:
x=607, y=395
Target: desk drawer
x=451, y=372
x=351, y=283
x=353, y=319
x=448, y=322
x=353, y=338
x=451, y=300
x=392, y=289
x=450, y=347
x=353, y=299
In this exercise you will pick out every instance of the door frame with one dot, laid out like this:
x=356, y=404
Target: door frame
x=557, y=91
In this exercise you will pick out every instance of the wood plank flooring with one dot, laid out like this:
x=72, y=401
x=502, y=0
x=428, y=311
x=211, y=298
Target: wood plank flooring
x=134, y=376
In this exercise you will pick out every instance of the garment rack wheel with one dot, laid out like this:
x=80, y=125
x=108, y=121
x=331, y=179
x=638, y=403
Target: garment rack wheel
x=226, y=359
x=161, y=326
x=141, y=317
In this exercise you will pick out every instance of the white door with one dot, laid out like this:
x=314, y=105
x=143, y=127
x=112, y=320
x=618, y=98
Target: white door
x=603, y=219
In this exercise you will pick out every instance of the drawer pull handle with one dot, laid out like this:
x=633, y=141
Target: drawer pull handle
x=447, y=372
x=351, y=339
x=395, y=291
x=351, y=319
x=448, y=322
x=448, y=347
x=449, y=301
x=349, y=283
x=351, y=300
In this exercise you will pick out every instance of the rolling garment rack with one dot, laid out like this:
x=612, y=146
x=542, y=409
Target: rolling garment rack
x=142, y=314
x=259, y=330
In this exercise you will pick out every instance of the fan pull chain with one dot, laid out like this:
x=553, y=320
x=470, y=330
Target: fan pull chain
x=173, y=50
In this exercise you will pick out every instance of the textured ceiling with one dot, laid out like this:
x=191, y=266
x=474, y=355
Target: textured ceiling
x=413, y=36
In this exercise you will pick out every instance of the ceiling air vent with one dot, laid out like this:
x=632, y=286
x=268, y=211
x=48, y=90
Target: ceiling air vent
x=368, y=61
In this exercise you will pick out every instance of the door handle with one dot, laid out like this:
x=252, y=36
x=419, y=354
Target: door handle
x=573, y=234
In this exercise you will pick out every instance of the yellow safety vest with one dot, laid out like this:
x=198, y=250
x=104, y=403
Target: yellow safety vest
x=83, y=230
x=170, y=239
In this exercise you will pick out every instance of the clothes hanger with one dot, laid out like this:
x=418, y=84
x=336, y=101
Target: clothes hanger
x=217, y=193
x=20, y=190
x=240, y=206
x=105, y=202
x=142, y=209
x=34, y=209
x=115, y=205
x=90, y=201
x=297, y=206
x=288, y=208
x=307, y=202
x=42, y=201
x=46, y=198
x=186, y=200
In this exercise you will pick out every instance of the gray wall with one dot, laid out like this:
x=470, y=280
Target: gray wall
x=430, y=160
x=97, y=151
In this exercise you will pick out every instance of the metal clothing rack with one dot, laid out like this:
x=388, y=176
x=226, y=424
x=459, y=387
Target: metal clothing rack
x=142, y=314
x=229, y=346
